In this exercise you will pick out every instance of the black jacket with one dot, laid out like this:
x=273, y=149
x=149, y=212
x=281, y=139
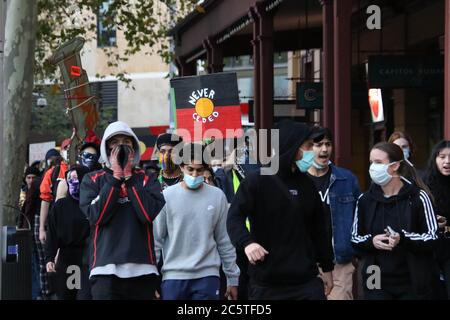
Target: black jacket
x=68, y=229
x=286, y=218
x=121, y=216
x=417, y=226
x=224, y=178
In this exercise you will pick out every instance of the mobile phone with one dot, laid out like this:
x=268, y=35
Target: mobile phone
x=390, y=232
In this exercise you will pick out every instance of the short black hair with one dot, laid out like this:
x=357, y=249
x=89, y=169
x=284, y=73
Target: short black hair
x=93, y=145
x=193, y=152
x=170, y=139
x=321, y=133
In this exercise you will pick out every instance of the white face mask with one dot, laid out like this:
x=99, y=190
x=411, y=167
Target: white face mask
x=379, y=173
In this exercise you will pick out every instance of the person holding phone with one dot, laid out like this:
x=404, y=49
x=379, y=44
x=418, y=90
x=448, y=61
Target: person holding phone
x=394, y=229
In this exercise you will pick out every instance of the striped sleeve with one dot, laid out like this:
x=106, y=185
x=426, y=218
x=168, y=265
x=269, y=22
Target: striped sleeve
x=429, y=223
x=360, y=241
x=423, y=239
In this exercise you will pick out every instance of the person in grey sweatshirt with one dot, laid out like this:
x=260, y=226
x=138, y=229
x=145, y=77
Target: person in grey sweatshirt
x=191, y=233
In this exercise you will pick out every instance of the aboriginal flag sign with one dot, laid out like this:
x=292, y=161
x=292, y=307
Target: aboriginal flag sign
x=202, y=103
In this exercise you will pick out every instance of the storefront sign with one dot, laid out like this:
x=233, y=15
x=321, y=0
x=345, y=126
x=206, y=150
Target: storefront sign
x=405, y=71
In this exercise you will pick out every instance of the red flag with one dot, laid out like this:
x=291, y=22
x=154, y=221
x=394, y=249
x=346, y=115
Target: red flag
x=206, y=102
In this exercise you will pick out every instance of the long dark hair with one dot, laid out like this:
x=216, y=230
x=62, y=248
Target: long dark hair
x=438, y=184
x=395, y=154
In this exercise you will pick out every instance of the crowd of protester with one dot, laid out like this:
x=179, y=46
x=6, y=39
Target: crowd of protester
x=216, y=228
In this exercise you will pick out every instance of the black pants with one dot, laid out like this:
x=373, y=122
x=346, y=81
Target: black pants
x=312, y=290
x=111, y=287
x=85, y=292
x=400, y=292
x=242, y=262
x=67, y=258
x=445, y=268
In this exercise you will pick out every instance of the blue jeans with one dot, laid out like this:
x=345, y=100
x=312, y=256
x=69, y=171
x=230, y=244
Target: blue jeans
x=35, y=279
x=197, y=289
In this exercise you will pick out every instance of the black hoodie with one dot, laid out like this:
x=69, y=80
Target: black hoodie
x=410, y=213
x=286, y=218
x=68, y=227
x=440, y=188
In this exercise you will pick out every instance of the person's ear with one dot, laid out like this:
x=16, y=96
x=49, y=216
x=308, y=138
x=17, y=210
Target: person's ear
x=396, y=167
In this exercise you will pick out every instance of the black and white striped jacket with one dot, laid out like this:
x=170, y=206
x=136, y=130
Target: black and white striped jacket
x=417, y=235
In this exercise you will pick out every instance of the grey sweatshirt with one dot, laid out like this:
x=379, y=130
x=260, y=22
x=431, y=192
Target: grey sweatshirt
x=191, y=233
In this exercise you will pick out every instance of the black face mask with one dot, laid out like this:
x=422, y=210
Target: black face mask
x=122, y=156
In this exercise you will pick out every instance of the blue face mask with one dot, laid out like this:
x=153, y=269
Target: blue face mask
x=306, y=162
x=318, y=166
x=406, y=153
x=193, y=182
x=379, y=173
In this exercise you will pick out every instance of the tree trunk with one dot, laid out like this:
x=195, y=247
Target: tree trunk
x=20, y=37
x=2, y=45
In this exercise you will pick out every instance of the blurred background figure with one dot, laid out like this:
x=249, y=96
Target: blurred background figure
x=404, y=141
x=30, y=205
x=437, y=178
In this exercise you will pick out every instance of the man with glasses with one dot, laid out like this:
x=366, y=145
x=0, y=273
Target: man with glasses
x=191, y=233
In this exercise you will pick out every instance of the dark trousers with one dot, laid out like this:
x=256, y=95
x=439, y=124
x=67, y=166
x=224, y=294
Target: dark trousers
x=242, y=262
x=65, y=278
x=197, y=289
x=401, y=292
x=312, y=290
x=85, y=292
x=43, y=276
x=445, y=267
x=111, y=287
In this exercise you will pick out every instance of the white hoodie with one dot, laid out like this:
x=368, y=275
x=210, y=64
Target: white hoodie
x=115, y=129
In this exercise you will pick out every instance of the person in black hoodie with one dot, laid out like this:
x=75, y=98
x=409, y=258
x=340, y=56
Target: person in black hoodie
x=68, y=230
x=288, y=236
x=121, y=203
x=394, y=229
x=437, y=178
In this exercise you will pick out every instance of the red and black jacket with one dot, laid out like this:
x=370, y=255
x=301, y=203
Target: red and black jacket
x=121, y=216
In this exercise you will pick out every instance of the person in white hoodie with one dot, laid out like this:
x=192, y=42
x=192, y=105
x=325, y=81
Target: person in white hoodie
x=191, y=233
x=121, y=202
